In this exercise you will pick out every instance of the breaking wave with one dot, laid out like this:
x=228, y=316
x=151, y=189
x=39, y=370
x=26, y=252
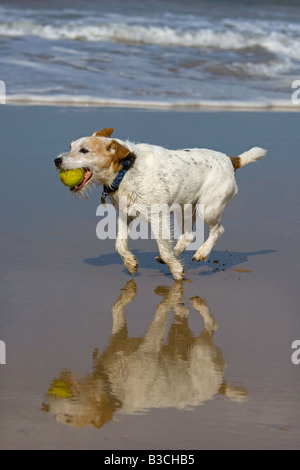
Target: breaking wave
x=230, y=35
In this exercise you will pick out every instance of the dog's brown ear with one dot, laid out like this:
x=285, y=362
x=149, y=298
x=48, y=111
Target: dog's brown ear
x=118, y=152
x=107, y=132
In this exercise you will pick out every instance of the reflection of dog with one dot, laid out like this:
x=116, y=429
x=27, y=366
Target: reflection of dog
x=150, y=175
x=136, y=374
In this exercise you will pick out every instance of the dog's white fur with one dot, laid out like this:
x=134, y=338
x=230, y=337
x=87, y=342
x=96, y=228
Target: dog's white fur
x=161, y=176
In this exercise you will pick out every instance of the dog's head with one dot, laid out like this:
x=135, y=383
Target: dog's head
x=98, y=155
x=81, y=403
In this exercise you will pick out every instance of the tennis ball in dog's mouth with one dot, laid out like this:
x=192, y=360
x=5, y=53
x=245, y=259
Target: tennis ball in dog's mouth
x=72, y=178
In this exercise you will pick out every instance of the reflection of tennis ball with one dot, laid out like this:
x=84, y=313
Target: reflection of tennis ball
x=72, y=178
x=60, y=389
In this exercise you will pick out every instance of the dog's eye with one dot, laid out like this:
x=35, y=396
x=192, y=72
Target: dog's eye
x=83, y=150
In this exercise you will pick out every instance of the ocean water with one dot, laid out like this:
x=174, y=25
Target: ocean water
x=160, y=53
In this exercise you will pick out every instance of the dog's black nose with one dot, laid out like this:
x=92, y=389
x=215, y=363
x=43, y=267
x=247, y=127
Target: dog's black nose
x=58, y=162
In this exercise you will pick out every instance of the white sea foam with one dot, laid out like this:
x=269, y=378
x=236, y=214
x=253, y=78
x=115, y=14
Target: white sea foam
x=82, y=100
x=229, y=36
x=157, y=59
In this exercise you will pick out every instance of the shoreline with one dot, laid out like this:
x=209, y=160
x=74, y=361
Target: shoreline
x=205, y=105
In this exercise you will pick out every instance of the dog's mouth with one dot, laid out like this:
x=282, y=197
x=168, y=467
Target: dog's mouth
x=87, y=177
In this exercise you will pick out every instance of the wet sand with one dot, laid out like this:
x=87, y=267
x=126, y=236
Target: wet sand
x=96, y=360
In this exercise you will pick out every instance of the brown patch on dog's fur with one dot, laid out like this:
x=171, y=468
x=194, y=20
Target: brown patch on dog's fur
x=99, y=148
x=120, y=151
x=236, y=162
x=111, y=152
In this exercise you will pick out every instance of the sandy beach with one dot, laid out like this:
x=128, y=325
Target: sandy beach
x=202, y=365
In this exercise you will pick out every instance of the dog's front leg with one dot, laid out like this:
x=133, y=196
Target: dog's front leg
x=128, y=258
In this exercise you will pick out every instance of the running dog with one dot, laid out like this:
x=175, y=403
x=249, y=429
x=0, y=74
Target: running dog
x=150, y=175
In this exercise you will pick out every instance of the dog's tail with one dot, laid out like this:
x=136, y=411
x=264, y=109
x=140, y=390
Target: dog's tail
x=251, y=156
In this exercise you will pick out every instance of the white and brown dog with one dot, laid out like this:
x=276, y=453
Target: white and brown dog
x=152, y=175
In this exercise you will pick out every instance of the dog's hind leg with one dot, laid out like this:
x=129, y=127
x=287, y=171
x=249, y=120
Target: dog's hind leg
x=167, y=256
x=216, y=231
x=212, y=214
x=160, y=224
x=212, y=218
x=185, y=220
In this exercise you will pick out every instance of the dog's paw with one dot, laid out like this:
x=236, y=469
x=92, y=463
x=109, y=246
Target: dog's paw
x=200, y=256
x=130, y=289
x=131, y=264
x=159, y=260
x=178, y=276
x=198, y=302
x=177, y=271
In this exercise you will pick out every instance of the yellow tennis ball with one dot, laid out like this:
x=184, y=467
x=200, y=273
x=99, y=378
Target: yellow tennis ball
x=72, y=178
x=60, y=389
